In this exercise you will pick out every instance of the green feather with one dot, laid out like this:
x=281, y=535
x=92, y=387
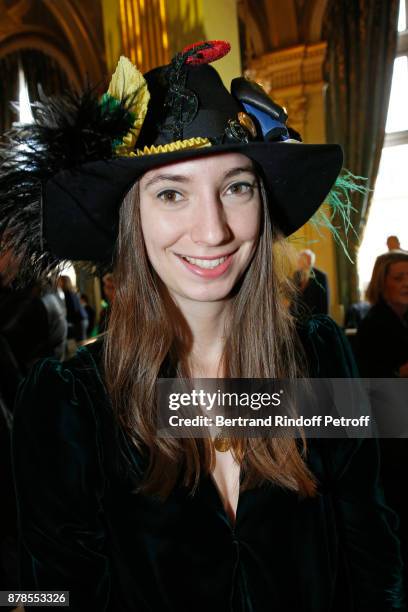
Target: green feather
x=109, y=105
x=339, y=207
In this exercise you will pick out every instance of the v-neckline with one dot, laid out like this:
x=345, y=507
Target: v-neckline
x=230, y=512
x=230, y=517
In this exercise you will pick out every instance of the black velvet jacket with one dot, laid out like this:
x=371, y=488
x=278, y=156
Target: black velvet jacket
x=84, y=530
x=381, y=342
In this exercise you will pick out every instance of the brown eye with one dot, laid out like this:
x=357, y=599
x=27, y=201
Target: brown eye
x=169, y=196
x=239, y=189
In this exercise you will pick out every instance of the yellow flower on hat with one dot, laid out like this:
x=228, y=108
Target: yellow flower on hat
x=128, y=84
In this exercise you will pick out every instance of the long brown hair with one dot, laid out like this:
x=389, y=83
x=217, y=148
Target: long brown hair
x=261, y=342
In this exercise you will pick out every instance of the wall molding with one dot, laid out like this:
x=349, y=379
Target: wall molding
x=78, y=57
x=288, y=67
x=290, y=76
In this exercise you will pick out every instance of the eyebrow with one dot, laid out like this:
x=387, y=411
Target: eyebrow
x=236, y=171
x=175, y=178
x=180, y=178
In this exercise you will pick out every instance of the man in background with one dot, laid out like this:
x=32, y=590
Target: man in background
x=312, y=283
x=393, y=243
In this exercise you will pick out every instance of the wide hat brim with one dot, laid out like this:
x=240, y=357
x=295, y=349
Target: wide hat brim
x=81, y=205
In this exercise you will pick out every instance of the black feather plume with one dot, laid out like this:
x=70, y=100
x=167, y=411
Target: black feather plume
x=68, y=131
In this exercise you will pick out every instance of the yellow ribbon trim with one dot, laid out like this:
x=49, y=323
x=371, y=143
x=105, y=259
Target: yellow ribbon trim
x=177, y=145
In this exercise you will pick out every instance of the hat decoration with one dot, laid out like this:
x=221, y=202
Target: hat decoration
x=205, y=51
x=63, y=178
x=181, y=104
x=68, y=131
x=127, y=83
x=270, y=117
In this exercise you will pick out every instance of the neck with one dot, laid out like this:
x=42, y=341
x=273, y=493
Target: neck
x=206, y=321
x=305, y=273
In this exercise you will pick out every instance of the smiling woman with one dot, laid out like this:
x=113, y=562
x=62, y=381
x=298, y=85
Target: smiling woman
x=200, y=223
x=192, y=209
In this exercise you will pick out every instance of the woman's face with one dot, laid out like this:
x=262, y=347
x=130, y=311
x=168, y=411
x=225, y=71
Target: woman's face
x=201, y=221
x=396, y=284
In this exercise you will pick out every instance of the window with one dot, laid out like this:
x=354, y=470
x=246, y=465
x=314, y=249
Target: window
x=389, y=207
x=25, y=114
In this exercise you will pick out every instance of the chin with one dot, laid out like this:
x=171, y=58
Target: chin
x=207, y=296
x=205, y=293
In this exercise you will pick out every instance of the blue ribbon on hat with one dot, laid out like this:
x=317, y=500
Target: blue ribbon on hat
x=266, y=122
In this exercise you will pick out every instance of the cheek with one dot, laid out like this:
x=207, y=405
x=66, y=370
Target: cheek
x=159, y=229
x=246, y=225
x=150, y=237
x=398, y=287
x=391, y=289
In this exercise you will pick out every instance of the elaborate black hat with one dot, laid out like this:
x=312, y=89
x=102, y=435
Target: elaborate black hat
x=63, y=178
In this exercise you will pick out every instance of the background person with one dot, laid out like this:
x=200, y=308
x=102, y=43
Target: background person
x=393, y=243
x=55, y=341
x=382, y=338
x=91, y=315
x=76, y=316
x=312, y=284
x=382, y=352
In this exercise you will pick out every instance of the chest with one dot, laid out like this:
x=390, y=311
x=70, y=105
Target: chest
x=226, y=478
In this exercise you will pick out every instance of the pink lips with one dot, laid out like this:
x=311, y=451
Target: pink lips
x=205, y=272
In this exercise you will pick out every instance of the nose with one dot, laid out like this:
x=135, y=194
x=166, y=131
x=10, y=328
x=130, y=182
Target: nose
x=210, y=225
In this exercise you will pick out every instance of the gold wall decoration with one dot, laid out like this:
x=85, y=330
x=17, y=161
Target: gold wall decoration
x=144, y=32
x=294, y=78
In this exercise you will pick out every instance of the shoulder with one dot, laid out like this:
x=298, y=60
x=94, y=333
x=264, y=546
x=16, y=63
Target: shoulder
x=319, y=274
x=327, y=349
x=60, y=394
x=372, y=315
x=379, y=324
x=378, y=314
x=63, y=410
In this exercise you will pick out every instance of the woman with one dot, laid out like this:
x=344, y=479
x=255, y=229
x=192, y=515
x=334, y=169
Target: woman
x=382, y=352
x=382, y=339
x=127, y=520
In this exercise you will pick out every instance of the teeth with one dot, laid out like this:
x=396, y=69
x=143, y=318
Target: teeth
x=209, y=264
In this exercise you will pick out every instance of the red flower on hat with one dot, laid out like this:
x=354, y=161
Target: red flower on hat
x=207, y=51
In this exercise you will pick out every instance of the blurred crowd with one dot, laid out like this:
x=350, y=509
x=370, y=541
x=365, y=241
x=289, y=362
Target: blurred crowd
x=377, y=326
x=377, y=329
x=42, y=320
